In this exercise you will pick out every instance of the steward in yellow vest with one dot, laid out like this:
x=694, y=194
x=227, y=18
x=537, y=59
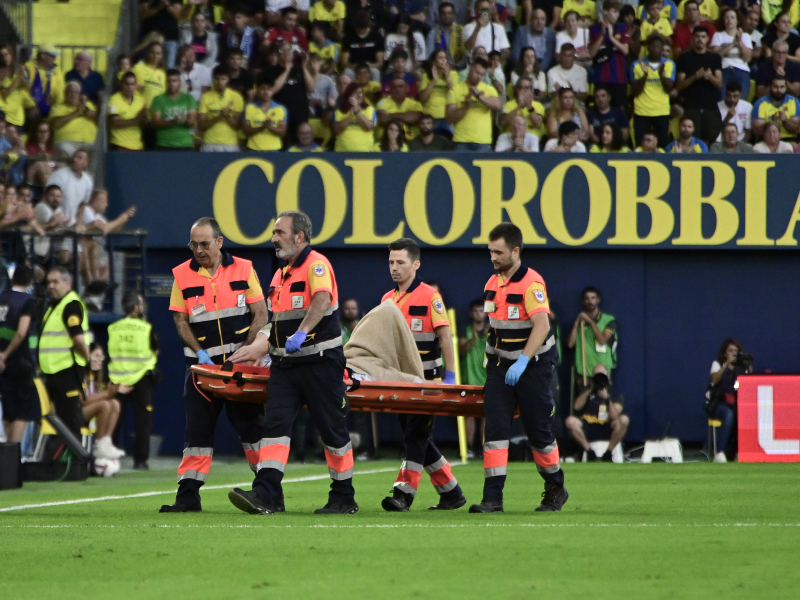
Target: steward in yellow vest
x=132, y=353
x=64, y=348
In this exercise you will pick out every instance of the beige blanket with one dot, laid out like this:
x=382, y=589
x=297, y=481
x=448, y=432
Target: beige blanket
x=382, y=347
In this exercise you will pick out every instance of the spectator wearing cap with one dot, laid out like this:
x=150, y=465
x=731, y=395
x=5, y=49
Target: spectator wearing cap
x=730, y=143
x=485, y=31
x=332, y=12
x=470, y=108
x=772, y=142
x=127, y=113
x=568, y=139
x=161, y=17
x=737, y=111
x=699, y=82
x=219, y=114
x=447, y=35
x=780, y=107
x=363, y=44
x=652, y=80
x=91, y=82
x=292, y=83
x=778, y=65
x=174, y=115
x=45, y=79
x=519, y=139
x=236, y=33
x=201, y=40
x=305, y=140
x=195, y=78
x=287, y=32
x=274, y=12
x=684, y=31
x=398, y=106
x=686, y=142
x=538, y=36
x=567, y=74
x=74, y=121
x=609, y=46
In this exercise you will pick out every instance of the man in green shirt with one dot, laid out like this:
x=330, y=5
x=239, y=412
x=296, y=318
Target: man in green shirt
x=472, y=349
x=594, y=337
x=349, y=319
x=174, y=115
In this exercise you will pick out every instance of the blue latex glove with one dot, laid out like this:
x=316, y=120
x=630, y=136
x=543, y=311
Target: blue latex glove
x=203, y=358
x=449, y=378
x=515, y=372
x=293, y=343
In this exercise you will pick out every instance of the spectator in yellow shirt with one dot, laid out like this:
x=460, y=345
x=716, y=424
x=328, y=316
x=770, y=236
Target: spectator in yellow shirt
x=354, y=121
x=264, y=121
x=586, y=10
x=437, y=81
x=470, y=108
x=399, y=107
x=650, y=144
x=523, y=105
x=74, y=121
x=654, y=23
x=220, y=111
x=331, y=11
x=15, y=98
x=127, y=112
x=151, y=75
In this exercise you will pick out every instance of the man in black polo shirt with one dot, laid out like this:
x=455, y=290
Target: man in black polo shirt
x=363, y=44
x=292, y=83
x=20, y=399
x=699, y=83
x=778, y=66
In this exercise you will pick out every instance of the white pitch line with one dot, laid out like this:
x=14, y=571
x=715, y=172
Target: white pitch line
x=402, y=526
x=172, y=491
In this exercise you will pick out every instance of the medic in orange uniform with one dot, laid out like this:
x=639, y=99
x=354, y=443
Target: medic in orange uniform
x=425, y=314
x=305, y=344
x=520, y=352
x=219, y=307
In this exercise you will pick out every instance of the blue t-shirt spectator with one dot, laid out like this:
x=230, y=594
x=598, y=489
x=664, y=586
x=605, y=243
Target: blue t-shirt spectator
x=91, y=86
x=613, y=115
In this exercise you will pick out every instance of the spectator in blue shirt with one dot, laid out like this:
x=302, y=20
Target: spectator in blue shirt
x=603, y=113
x=687, y=143
x=414, y=8
x=539, y=37
x=92, y=84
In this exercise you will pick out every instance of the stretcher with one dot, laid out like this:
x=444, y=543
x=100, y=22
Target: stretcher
x=243, y=383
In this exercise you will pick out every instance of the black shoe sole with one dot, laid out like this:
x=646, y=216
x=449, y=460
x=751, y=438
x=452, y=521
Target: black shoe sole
x=550, y=507
x=337, y=511
x=390, y=504
x=451, y=506
x=484, y=510
x=171, y=508
x=244, y=504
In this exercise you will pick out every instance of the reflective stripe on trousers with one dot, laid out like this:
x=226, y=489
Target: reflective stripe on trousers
x=495, y=458
x=408, y=478
x=427, y=365
x=441, y=475
x=547, y=459
x=196, y=464
x=214, y=350
x=340, y=461
x=268, y=453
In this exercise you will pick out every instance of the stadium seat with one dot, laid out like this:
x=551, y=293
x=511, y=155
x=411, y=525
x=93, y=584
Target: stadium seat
x=713, y=424
x=87, y=433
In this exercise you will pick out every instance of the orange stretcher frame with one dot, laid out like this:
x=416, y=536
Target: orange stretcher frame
x=244, y=383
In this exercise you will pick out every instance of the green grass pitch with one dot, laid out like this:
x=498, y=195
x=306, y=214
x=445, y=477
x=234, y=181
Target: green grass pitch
x=691, y=531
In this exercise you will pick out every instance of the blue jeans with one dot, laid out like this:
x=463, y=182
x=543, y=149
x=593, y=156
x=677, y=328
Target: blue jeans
x=170, y=53
x=727, y=416
x=472, y=147
x=732, y=74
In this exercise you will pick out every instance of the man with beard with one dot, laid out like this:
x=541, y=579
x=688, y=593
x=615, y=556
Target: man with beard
x=219, y=307
x=780, y=107
x=594, y=337
x=304, y=342
x=427, y=140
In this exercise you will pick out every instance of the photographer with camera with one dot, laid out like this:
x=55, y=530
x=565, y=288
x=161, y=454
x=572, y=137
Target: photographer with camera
x=731, y=362
x=598, y=416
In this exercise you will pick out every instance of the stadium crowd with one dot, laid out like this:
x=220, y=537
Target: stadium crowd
x=412, y=75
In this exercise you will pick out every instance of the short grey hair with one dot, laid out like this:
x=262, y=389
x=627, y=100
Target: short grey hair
x=300, y=222
x=210, y=222
x=83, y=56
x=781, y=43
x=62, y=271
x=73, y=84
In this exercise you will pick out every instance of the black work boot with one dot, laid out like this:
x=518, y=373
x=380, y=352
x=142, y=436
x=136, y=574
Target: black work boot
x=397, y=502
x=486, y=506
x=553, y=498
x=338, y=507
x=450, y=501
x=179, y=507
x=249, y=502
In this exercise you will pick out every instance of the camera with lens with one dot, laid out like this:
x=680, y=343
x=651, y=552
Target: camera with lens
x=743, y=361
x=599, y=381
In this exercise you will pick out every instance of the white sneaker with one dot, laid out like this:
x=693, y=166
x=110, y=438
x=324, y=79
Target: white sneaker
x=720, y=458
x=103, y=448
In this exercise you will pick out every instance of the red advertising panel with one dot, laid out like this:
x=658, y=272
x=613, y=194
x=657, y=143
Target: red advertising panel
x=769, y=418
